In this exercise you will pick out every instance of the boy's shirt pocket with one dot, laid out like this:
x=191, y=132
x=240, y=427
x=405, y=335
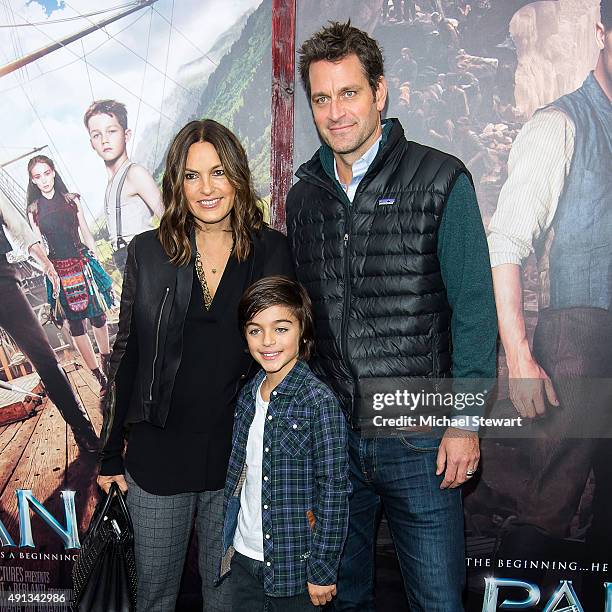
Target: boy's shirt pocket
x=293, y=435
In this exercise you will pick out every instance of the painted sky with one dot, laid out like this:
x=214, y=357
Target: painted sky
x=49, y=5
x=45, y=101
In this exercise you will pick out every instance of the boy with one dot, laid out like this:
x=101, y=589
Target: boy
x=286, y=494
x=132, y=196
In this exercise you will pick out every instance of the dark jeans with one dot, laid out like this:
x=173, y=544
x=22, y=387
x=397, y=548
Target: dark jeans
x=426, y=523
x=19, y=320
x=248, y=593
x=574, y=347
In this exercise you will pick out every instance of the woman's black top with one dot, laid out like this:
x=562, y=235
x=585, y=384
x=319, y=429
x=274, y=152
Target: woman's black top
x=58, y=223
x=192, y=452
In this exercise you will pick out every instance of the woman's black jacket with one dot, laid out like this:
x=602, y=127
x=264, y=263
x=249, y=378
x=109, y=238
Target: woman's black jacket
x=154, y=303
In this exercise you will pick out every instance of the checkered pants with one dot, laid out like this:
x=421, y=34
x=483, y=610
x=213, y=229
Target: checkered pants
x=162, y=525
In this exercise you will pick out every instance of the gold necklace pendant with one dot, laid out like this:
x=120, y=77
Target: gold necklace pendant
x=202, y=278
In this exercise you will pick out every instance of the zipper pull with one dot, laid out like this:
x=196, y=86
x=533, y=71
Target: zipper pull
x=346, y=239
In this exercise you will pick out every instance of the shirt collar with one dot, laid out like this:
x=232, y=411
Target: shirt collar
x=326, y=155
x=360, y=167
x=289, y=385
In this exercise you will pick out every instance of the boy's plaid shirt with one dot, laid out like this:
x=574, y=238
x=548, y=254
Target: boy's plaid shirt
x=305, y=484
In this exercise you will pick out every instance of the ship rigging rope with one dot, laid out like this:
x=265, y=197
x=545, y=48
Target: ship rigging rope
x=212, y=61
x=28, y=24
x=144, y=75
x=164, y=84
x=87, y=70
x=145, y=60
x=74, y=61
x=79, y=58
x=57, y=154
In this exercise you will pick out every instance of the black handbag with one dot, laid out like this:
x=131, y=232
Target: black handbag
x=104, y=575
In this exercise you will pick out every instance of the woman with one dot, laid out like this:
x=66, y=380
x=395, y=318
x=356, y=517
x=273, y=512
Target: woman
x=85, y=289
x=179, y=358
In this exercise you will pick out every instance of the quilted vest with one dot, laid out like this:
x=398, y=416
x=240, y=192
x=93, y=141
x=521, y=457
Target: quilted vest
x=371, y=266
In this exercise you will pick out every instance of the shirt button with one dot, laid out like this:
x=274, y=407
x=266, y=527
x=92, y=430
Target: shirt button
x=266, y=478
x=295, y=426
x=265, y=506
x=267, y=449
x=274, y=393
x=267, y=536
x=269, y=417
x=268, y=563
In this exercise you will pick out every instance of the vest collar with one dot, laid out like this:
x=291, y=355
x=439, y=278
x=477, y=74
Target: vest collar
x=598, y=98
x=320, y=168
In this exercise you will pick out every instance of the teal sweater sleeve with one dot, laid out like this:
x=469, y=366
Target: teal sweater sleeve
x=466, y=272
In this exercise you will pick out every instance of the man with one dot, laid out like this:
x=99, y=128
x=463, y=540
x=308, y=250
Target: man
x=132, y=196
x=20, y=321
x=557, y=202
x=405, y=68
x=387, y=238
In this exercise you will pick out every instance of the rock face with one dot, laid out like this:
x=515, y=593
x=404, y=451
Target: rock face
x=556, y=49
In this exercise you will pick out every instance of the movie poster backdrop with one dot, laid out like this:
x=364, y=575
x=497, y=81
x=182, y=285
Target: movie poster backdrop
x=465, y=77
x=167, y=62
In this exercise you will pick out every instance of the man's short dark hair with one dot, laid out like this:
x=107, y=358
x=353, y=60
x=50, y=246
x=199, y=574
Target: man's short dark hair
x=606, y=13
x=333, y=43
x=280, y=291
x=107, y=107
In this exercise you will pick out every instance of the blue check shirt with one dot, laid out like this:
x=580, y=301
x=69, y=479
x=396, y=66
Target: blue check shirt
x=305, y=484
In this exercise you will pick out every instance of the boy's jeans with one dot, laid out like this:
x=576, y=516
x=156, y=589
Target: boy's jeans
x=248, y=593
x=426, y=524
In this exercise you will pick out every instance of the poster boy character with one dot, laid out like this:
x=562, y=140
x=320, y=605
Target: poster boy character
x=557, y=202
x=132, y=196
x=286, y=495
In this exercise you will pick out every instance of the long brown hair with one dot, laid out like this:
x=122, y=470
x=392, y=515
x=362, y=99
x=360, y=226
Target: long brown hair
x=33, y=192
x=177, y=221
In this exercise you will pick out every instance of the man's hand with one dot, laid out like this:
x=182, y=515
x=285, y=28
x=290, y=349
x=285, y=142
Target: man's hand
x=459, y=454
x=528, y=382
x=320, y=595
x=104, y=482
x=528, y=387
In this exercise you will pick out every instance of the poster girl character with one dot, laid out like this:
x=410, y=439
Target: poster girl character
x=86, y=289
x=179, y=358
x=284, y=534
x=20, y=321
x=557, y=202
x=132, y=196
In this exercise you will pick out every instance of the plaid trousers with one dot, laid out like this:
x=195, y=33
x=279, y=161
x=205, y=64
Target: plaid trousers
x=162, y=526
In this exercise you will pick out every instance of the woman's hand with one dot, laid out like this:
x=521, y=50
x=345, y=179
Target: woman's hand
x=53, y=277
x=320, y=595
x=104, y=482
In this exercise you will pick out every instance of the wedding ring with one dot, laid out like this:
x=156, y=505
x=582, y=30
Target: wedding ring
x=470, y=472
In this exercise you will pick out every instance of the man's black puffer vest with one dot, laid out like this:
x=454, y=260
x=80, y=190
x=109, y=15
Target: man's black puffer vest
x=371, y=266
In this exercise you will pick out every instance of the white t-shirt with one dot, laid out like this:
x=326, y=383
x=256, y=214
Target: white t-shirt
x=248, y=539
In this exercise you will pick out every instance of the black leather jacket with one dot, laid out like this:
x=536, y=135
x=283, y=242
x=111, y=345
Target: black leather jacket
x=154, y=302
